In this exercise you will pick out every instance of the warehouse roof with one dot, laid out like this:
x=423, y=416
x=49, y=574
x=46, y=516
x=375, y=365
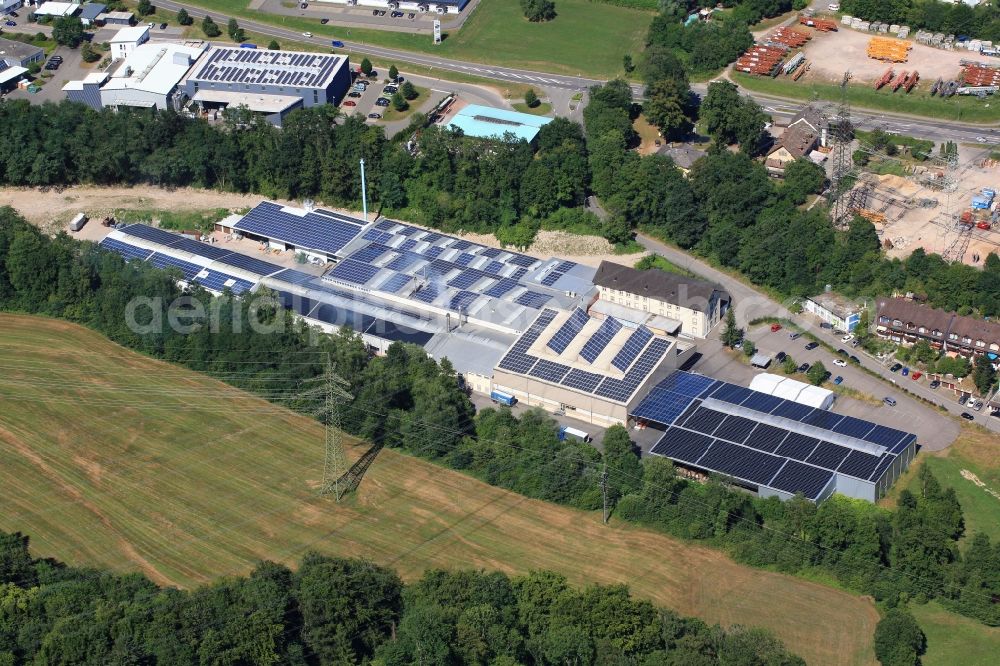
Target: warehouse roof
x=15, y=50
x=223, y=64
x=92, y=10
x=764, y=440
x=254, y=101
x=56, y=9
x=130, y=34
x=487, y=122
x=11, y=73
x=673, y=288
x=154, y=67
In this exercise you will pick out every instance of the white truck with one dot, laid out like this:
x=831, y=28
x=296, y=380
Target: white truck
x=77, y=222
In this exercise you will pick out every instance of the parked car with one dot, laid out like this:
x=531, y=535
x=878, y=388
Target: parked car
x=838, y=380
x=354, y=93
x=847, y=338
x=51, y=66
x=855, y=342
x=840, y=363
x=381, y=101
x=842, y=352
x=826, y=325
x=780, y=356
x=895, y=367
x=389, y=90
x=411, y=15
x=10, y=24
x=374, y=116
x=978, y=406
x=337, y=44
x=804, y=367
x=968, y=417
x=350, y=102
x=889, y=401
x=14, y=14
x=163, y=26
x=916, y=375
x=775, y=328
x=964, y=399
x=794, y=335
x=812, y=345
x=374, y=12
x=324, y=21
x=934, y=384
x=307, y=35
x=381, y=12
x=906, y=371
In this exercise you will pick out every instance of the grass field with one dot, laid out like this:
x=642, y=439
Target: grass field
x=109, y=458
x=953, y=639
x=920, y=103
x=586, y=38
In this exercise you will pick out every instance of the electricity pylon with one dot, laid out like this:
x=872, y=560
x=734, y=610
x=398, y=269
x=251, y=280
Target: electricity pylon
x=331, y=387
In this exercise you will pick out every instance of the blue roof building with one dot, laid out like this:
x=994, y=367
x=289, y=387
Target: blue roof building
x=91, y=11
x=487, y=122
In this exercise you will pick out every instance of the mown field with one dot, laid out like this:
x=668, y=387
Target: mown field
x=586, y=38
x=953, y=639
x=109, y=458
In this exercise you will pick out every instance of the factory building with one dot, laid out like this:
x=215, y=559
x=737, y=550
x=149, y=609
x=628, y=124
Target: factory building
x=694, y=306
x=271, y=83
x=769, y=445
x=148, y=77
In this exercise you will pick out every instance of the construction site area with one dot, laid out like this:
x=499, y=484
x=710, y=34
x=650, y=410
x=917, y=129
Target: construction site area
x=947, y=206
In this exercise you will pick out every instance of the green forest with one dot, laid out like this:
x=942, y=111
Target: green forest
x=917, y=552
x=346, y=611
x=956, y=18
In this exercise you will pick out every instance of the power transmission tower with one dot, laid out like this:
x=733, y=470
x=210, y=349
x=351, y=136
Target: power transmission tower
x=843, y=134
x=331, y=388
x=604, y=492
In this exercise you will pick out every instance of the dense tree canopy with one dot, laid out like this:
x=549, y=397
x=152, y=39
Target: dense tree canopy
x=344, y=611
x=982, y=21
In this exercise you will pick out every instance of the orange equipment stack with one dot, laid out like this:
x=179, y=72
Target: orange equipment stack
x=888, y=49
x=823, y=25
x=789, y=37
x=975, y=74
x=912, y=81
x=884, y=79
x=761, y=60
x=899, y=80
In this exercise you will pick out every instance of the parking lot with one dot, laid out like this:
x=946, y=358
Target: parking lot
x=934, y=430
x=362, y=17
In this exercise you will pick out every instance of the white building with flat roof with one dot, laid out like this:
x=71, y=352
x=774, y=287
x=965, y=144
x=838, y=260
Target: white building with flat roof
x=56, y=9
x=147, y=78
x=127, y=39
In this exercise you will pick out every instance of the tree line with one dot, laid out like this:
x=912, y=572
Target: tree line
x=409, y=401
x=347, y=611
x=958, y=18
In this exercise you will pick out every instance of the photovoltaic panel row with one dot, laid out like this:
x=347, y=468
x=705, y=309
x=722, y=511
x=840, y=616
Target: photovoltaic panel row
x=500, y=288
x=582, y=380
x=704, y=420
x=532, y=299
x=797, y=446
x=687, y=384
x=549, y=371
x=150, y=233
x=293, y=276
x=369, y=253
x=466, y=279
x=600, y=339
x=828, y=455
x=396, y=282
x=735, y=429
x=682, y=445
x=462, y=300
x=881, y=467
x=187, y=269
x=741, y=462
x=220, y=282
x=569, y=330
x=126, y=250
x=662, y=406
x=518, y=362
x=354, y=272
x=622, y=390
x=630, y=350
x=796, y=477
x=312, y=230
x=198, y=248
x=859, y=464
x=250, y=264
x=853, y=427
x=427, y=293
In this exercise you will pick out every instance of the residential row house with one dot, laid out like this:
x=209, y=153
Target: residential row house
x=904, y=321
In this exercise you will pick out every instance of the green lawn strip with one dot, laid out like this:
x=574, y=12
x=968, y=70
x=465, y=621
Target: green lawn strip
x=586, y=38
x=917, y=103
x=414, y=104
x=541, y=109
x=953, y=639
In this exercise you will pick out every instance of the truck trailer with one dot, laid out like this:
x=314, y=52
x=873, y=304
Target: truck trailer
x=566, y=432
x=503, y=398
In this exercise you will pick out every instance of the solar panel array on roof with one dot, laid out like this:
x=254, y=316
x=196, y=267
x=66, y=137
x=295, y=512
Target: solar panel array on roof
x=181, y=243
x=600, y=339
x=635, y=344
x=266, y=67
x=187, y=269
x=319, y=230
x=354, y=272
x=749, y=447
x=557, y=272
x=461, y=264
x=613, y=388
x=126, y=250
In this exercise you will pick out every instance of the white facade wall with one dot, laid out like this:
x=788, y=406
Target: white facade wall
x=693, y=322
x=139, y=97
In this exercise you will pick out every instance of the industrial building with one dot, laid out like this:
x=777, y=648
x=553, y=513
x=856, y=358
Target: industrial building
x=435, y=6
x=56, y=9
x=7, y=6
x=128, y=40
x=689, y=306
x=487, y=122
x=841, y=313
x=271, y=83
x=769, y=445
x=148, y=77
x=90, y=11
x=536, y=330
x=14, y=60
